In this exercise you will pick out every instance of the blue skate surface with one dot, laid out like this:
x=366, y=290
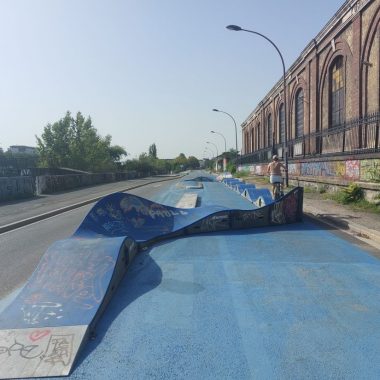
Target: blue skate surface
x=76, y=277
x=284, y=301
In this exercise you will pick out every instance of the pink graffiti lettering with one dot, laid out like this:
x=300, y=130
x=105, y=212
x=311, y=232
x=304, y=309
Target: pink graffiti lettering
x=38, y=334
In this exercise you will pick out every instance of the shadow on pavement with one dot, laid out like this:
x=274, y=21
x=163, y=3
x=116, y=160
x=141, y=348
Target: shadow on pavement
x=142, y=276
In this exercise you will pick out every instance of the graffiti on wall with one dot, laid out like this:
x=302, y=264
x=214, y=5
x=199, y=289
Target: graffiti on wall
x=294, y=168
x=370, y=170
x=352, y=170
x=323, y=169
x=16, y=187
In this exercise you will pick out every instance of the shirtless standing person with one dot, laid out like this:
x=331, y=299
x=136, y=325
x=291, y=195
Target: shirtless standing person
x=274, y=171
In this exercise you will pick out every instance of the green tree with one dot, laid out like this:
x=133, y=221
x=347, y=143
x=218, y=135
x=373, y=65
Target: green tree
x=117, y=153
x=75, y=143
x=153, y=151
x=193, y=162
x=180, y=163
x=54, y=145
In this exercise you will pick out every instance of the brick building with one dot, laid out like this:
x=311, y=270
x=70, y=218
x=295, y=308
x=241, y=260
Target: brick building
x=332, y=104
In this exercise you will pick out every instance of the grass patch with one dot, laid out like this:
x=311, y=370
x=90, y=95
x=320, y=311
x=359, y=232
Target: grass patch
x=309, y=190
x=356, y=205
x=242, y=174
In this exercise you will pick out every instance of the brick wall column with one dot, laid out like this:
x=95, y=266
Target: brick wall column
x=355, y=96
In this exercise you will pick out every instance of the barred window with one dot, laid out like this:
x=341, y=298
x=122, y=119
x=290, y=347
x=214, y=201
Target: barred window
x=258, y=145
x=336, y=93
x=299, y=114
x=270, y=130
x=281, y=117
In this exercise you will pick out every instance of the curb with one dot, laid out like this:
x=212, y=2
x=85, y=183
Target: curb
x=49, y=214
x=371, y=237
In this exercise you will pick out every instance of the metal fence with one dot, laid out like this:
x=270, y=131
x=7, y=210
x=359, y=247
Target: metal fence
x=358, y=136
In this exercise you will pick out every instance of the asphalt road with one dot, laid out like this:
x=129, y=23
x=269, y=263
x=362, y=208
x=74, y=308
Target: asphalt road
x=21, y=249
x=15, y=211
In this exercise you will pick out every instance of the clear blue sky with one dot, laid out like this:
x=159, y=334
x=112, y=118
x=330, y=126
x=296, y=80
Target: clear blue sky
x=146, y=71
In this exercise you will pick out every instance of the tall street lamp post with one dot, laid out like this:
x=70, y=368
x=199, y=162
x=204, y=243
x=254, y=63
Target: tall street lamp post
x=212, y=153
x=217, y=154
x=236, y=143
x=237, y=29
x=225, y=143
x=225, y=150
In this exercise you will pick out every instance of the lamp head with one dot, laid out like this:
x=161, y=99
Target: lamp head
x=212, y=131
x=236, y=28
x=215, y=110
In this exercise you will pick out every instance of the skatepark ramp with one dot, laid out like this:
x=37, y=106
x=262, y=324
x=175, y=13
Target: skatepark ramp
x=43, y=329
x=260, y=197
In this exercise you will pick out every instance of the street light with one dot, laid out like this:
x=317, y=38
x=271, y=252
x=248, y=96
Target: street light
x=208, y=153
x=236, y=144
x=225, y=143
x=225, y=150
x=211, y=151
x=217, y=154
x=237, y=29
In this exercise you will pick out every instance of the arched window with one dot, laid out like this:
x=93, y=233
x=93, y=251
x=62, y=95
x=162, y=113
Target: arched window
x=258, y=137
x=336, y=93
x=270, y=130
x=281, y=118
x=299, y=113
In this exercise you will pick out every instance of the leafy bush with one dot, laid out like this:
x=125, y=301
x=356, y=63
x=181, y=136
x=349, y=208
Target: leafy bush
x=374, y=173
x=352, y=193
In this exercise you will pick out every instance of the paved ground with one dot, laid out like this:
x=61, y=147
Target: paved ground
x=364, y=226
x=287, y=302
x=290, y=302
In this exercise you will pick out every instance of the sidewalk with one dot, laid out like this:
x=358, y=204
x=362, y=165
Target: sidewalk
x=364, y=226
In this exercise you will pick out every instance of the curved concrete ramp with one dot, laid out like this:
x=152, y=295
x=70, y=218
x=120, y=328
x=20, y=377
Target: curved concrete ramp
x=240, y=187
x=42, y=330
x=145, y=221
x=260, y=197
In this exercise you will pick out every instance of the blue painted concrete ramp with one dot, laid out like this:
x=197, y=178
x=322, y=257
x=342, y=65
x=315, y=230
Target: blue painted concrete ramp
x=285, y=301
x=43, y=329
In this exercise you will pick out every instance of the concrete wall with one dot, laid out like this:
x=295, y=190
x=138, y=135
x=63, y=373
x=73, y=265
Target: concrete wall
x=16, y=188
x=12, y=188
x=48, y=184
x=331, y=174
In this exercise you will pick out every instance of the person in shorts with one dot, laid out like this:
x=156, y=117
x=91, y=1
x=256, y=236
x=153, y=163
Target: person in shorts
x=274, y=171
